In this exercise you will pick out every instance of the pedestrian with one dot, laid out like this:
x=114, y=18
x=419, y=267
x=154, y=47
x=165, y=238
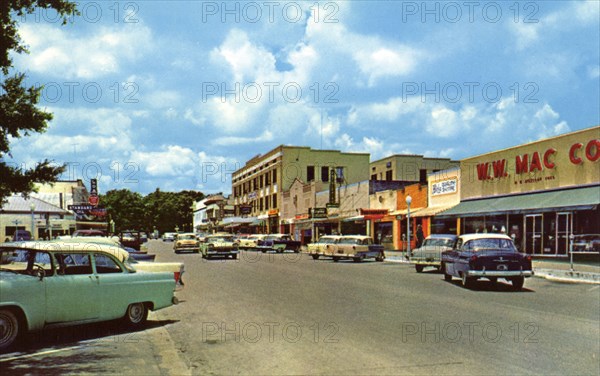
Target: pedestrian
x=420, y=236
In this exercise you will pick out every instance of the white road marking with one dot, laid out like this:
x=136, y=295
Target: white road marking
x=34, y=355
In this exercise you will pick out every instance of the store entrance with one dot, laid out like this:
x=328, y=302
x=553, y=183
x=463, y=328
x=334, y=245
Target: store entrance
x=564, y=229
x=534, y=229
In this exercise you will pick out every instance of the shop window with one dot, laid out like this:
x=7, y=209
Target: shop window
x=389, y=175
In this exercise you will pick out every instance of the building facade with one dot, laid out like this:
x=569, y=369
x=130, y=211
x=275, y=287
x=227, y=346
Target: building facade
x=540, y=193
x=257, y=188
x=413, y=168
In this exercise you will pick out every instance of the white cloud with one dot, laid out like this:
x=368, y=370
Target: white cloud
x=172, y=160
x=58, y=52
x=443, y=122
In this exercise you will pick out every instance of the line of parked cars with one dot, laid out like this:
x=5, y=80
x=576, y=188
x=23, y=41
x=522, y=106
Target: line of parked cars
x=346, y=247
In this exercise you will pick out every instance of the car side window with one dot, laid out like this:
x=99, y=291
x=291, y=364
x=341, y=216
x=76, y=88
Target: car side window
x=105, y=264
x=459, y=244
x=73, y=263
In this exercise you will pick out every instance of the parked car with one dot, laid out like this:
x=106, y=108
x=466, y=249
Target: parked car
x=47, y=284
x=88, y=233
x=490, y=256
x=586, y=243
x=131, y=238
x=430, y=253
x=323, y=246
x=186, y=242
x=169, y=236
x=357, y=248
x=278, y=243
x=223, y=245
x=176, y=269
x=251, y=242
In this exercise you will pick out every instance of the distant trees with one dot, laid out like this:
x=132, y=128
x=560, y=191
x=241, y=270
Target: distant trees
x=163, y=210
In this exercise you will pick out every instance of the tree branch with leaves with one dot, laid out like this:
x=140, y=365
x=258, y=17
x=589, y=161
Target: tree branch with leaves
x=19, y=112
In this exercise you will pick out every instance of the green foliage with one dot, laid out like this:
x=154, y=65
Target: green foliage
x=19, y=115
x=163, y=210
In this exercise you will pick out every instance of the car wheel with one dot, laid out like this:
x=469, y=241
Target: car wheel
x=9, y=328
x=234, y=257
x=315, y=257
x=136, y=314
x=419, y=268
x=380, y=258
x=517, y=283
x=467, y=282
x=336, y=259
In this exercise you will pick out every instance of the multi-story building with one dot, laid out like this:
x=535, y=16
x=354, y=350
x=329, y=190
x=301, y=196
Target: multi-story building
x=411, y=168
x=258, y=186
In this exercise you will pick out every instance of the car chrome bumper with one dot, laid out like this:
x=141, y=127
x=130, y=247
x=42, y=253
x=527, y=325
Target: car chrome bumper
x=499, y=273
x=426, y=262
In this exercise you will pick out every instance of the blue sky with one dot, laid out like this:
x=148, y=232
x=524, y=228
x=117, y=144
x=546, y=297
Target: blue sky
x=178, y=94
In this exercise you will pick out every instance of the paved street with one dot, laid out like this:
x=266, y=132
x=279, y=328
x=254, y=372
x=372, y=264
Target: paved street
x=275, y=314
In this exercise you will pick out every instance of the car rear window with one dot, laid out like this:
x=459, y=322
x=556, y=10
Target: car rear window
x=490, y=243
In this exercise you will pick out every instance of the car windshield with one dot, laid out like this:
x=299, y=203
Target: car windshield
x=490, y=243
x=221, y=239
x=439, y=242
x=327, y=239
x=186, y=237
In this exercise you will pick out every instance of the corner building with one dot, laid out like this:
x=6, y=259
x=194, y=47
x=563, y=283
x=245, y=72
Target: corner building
x=258, y=187
x=539, y=193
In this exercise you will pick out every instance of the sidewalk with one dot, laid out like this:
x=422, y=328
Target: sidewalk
x=551, y=269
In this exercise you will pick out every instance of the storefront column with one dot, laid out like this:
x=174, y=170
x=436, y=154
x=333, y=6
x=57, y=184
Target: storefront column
x=458, y=224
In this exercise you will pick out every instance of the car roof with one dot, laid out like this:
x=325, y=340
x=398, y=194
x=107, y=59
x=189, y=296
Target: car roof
x=71, y=246
x=442, y=236
x=467, y=237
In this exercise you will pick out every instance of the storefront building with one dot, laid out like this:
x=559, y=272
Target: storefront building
x=539, y=193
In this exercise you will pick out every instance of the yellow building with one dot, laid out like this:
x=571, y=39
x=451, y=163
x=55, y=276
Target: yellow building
x=258, y=186
x=540, y=193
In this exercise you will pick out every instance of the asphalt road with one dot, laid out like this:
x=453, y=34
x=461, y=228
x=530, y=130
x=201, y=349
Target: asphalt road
x=274, y=314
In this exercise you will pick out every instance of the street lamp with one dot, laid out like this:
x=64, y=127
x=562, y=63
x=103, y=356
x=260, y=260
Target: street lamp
x=408, y=201
x=32, y=207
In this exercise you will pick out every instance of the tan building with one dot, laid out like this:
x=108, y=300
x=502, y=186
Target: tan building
x=411, y=168
x=258, y=186
x=539, y=193
x=40, y=218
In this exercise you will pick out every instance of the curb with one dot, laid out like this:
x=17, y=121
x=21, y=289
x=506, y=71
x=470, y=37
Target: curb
x=566, y=276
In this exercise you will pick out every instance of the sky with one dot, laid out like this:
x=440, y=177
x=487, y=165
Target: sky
x=177, y=95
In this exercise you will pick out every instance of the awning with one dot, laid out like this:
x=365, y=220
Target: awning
x=587, y=198
x=405, y=212
x=353, y=219
x=434, y=210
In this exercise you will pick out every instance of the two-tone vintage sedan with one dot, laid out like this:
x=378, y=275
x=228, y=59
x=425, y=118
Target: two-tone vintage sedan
x=186, y=242
x=251, y=241
x=323, y=246
x=45, y=284
x=220, y=245
x=357, y=248
x=490, y=256
x=278, y=243
x=430, y=253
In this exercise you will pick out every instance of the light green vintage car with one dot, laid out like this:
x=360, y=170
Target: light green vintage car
x=45, y=284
